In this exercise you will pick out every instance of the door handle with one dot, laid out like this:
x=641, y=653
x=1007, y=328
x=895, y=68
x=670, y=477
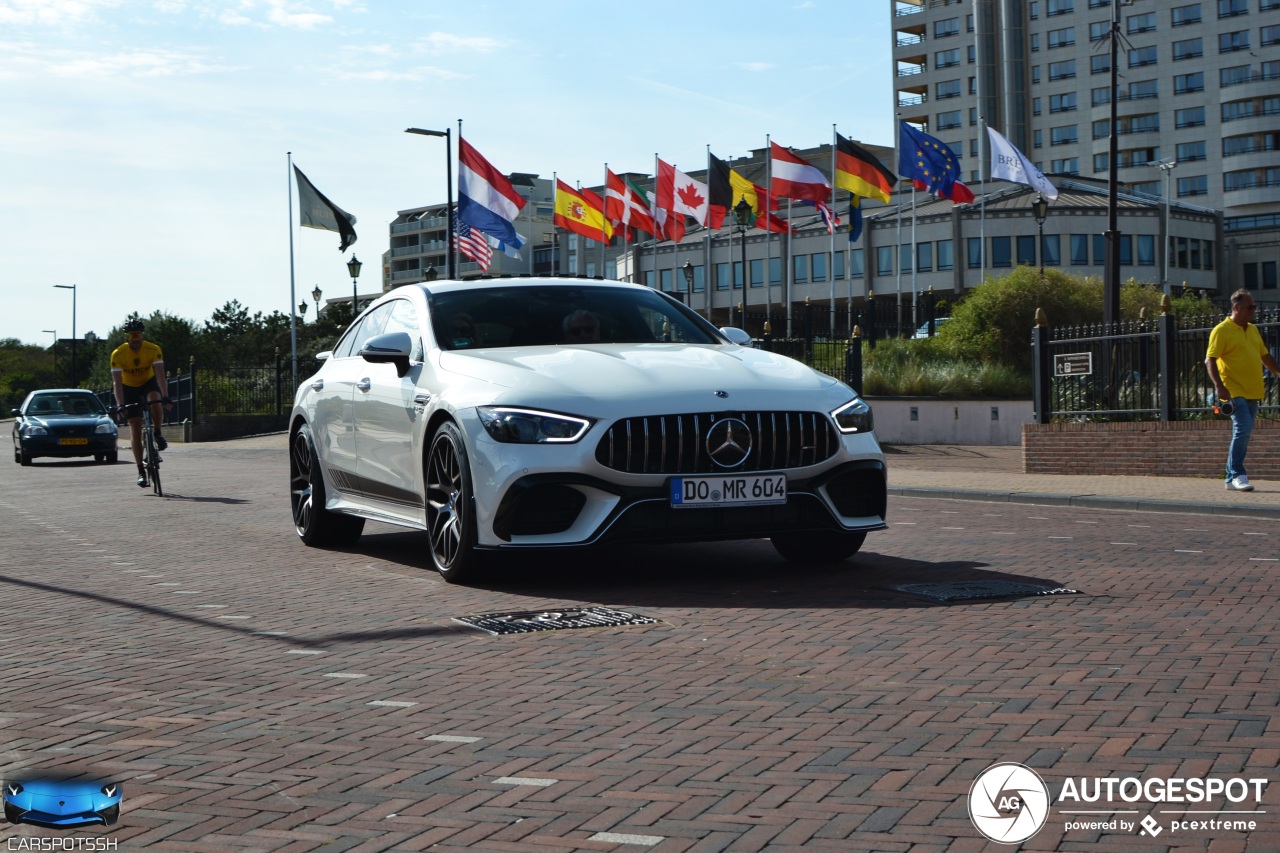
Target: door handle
x=318, y=385
x=364, y=384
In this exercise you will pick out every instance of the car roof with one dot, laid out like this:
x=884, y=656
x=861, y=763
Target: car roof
x=536, y=281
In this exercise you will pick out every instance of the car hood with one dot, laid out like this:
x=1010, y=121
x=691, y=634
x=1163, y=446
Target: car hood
x=65, y=421
x=682, y=376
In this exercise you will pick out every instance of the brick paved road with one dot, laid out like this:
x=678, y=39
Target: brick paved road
x=257, y=695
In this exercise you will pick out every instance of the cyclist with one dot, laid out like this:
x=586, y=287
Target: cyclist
x=137, y=372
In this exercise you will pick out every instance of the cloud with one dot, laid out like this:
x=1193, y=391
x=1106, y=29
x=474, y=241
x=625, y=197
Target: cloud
x=52, y=13
x=756, y=66
x=27, y=60
x=449, y=43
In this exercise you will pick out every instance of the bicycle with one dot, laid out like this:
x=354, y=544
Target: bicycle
x=150, y=453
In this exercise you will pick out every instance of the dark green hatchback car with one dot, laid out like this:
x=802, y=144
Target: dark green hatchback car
x=63, y=422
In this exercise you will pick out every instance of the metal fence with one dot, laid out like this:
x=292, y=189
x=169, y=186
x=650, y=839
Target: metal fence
x=1138, y=370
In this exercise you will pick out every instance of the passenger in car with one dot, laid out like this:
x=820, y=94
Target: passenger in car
x=581, y=327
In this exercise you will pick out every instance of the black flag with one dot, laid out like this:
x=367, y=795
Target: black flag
x=318, y=212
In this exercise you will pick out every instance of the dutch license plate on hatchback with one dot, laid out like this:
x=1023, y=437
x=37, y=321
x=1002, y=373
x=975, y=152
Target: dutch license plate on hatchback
x=66, y=441
x=729, y=490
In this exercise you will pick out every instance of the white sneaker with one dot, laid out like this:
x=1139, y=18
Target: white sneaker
x=1239, y=484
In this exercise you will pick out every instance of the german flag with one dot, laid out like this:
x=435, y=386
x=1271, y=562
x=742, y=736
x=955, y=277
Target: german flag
x=859, y=172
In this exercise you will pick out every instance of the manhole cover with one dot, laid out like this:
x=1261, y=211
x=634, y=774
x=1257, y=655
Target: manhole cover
x=524, y=621
x=965, y=590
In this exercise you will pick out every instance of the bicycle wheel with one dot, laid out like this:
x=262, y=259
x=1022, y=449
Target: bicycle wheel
x=151, y=460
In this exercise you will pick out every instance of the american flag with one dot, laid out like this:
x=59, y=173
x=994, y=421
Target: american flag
x=471, y=242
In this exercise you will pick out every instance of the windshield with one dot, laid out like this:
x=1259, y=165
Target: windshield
x=73, y=405
x=541, y=315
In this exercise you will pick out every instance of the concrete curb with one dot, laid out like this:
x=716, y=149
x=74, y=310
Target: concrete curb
x=1087, y=500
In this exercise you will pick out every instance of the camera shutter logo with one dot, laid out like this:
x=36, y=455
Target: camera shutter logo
x=1008, y=803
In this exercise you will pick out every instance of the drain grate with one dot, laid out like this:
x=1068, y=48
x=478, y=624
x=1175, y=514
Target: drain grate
x=967, y=590
x=525, y=621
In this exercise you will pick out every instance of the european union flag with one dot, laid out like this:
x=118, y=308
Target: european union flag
x=927, y=160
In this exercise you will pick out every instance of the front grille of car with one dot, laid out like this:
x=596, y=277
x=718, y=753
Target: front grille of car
x=677, y=444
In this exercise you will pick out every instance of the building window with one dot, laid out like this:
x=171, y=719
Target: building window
x=1100, y=162
x=1102, y=128
x=1037, y=138
x=1098, y=4
x=1250, y=270
x=1062, y=70
x=974, y=253
x=1149, y=123
x=1035, y=74
x=1230, y=42
x=1062, y=38
x=946, y=58
x=775, y=271
x=1065, y=135
x=1140, y=23
x=1231, y=8
x=1146, y=250
x=1062, y=103
x=1188, y=49
x=884, y=260
x=1185, y=83
x=945, y=261
x=1100, y=63
x=949, y=27
x=1234, y=76
x=699, y=278
x=818, y=266
x=1066, y=166
x=973, y=120
x=1001, y=249
x=948, y=89
x=972, y=54
x=1194, y=185
x=1141, y=56
x=1080, y=250
x=948, y=120
x=664, y=279
x=800, y=269
x=857, y=269
x=1100, y=96
x=1033, y=9
x=757, y=272
x=1026, y=250
x=968, y=22
x=904, y=257
x=1098, y=30
x=722, y=276
x=1035, y=106
x=1051, y=250
x=1269, y=36
x=1190, y=117
x=924, y=257
x=837, y=272
x=1144, y=89
x=1191, y=151
x=1186, y=15
x=1099, y=249
x=1060, y=7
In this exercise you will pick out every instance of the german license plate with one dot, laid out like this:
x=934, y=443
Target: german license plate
x=729, y=490
x=73, y=441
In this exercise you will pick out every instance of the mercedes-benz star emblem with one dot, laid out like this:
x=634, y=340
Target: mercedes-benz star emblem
x=729, y=442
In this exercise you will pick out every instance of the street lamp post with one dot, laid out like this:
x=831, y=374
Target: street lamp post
x=1166, y=166
x=54, y=348
x=353, y=267
x=688, y=281
x=742, y=215
x=302, y=311
x=72, y=288
x=315, y=296
x=1040, y=209
x=448, y=186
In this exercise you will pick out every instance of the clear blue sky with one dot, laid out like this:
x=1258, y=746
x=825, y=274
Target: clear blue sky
x=145, y=142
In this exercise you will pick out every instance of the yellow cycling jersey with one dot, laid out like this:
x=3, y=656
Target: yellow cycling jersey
x=136, y=368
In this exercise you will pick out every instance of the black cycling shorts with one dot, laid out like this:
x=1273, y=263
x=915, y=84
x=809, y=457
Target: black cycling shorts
x=139, y=394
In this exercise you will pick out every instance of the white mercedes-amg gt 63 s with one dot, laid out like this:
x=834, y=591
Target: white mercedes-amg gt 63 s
x=533, y=413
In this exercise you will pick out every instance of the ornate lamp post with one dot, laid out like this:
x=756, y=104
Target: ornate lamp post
x=302, y=311
x=1166, y=166
x=353, y=267
x=687, y=269
x=315, y=296
x=742, y=216
x=1040, y=209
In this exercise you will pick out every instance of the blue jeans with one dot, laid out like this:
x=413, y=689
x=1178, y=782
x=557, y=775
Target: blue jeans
x=1242, y=417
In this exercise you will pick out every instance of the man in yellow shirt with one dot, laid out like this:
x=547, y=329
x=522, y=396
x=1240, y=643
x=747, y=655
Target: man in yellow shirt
x=137, y=372
x=1235, y=359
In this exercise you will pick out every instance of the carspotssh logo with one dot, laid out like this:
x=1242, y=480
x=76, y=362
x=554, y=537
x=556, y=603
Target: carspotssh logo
x=1008, y=803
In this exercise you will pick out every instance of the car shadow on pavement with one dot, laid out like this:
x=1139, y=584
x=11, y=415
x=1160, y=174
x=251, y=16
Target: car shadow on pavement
x=725, y=574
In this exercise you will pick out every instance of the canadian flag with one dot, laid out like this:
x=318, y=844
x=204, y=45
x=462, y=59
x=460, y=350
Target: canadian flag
x=679, y=196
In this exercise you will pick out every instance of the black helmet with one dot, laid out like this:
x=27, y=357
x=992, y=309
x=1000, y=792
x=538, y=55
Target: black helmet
x=134, y=325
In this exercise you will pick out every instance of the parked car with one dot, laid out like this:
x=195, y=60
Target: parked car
x=923, y=331
x=500, y=414
x=63, y=422
x=62, y=803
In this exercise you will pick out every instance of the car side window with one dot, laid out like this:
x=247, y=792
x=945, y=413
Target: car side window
x=369, y=325
x=404, y=318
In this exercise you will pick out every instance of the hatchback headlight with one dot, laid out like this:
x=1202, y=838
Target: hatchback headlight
x=32, y=429
x=105, y=428
x=529, y=426
x=854, y=416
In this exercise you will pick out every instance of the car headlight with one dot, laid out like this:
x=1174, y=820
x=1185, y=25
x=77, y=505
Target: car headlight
x=13, y=788
x=32, y=429
x=106, y=428
x=110, y=790
x=528, y=426
x=854, y=416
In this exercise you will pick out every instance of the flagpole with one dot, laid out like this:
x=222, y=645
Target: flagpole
x=555, y=229
x=293, y=317
x=897, y=257
x=982, y=124
x=831, y=256
x=448, y=180
x=790, y=249
x=914, y=293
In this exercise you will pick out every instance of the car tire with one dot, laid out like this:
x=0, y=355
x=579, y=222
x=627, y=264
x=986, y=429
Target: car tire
x=97, y=457
x=113, y=457
x=24, y=458
x=315, y=525
x=451, y=522
x=816, y=547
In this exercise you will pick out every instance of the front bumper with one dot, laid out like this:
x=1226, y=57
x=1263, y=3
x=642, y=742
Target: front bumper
x=48, y=445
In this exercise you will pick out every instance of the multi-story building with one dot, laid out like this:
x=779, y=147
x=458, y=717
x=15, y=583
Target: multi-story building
x=1197, y=99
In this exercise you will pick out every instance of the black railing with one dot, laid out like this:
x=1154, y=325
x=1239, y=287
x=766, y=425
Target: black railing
x=1138, y=370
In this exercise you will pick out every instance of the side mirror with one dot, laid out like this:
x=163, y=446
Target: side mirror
x=324, y=356
x=736, y=336
x=389, y=348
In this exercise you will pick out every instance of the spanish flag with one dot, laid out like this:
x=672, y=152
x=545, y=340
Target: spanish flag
x=582, y=212
x=859, y=172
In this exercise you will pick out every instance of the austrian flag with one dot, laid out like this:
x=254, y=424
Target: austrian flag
x=794, y=177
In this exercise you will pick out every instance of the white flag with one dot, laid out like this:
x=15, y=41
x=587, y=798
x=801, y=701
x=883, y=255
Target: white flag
x=1009, y=163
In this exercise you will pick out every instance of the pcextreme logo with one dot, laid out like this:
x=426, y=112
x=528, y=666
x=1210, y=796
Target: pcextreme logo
x=1008, y=803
